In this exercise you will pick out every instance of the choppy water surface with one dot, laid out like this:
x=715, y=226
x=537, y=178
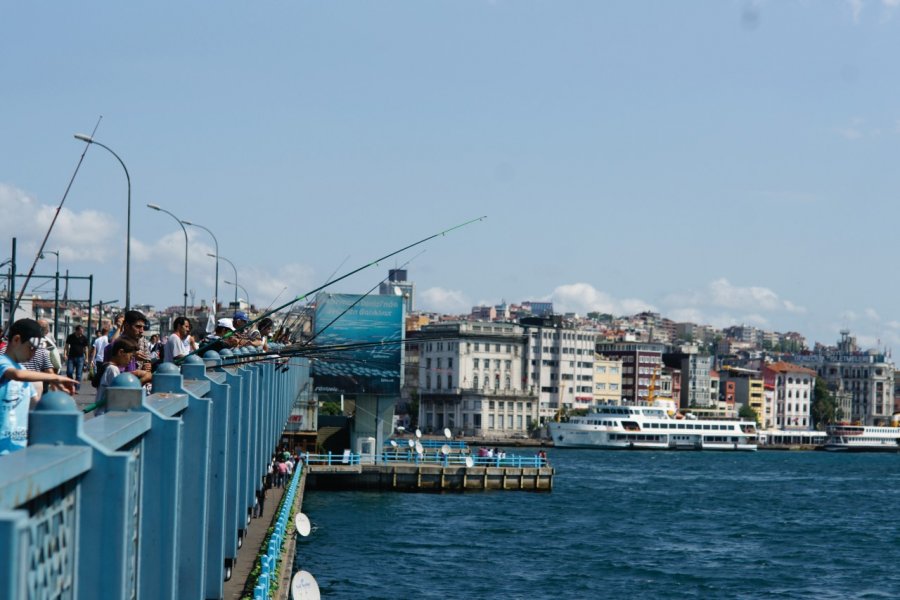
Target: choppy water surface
x=625, y=524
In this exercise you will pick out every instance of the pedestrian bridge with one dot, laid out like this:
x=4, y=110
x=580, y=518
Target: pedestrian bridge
x=151, y=499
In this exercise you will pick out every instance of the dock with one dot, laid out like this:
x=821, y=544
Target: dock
x=428, y=477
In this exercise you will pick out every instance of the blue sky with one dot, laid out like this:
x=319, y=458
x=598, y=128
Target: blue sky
x=718, y=161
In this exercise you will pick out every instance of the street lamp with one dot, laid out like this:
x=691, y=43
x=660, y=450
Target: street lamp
x=90, y=140
x=236, y=286
x=218, y=257
x=180, y=224
x=216, y=292
x=55, y=294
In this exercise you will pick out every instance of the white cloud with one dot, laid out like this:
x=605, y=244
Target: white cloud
x=856, y=7
x=439, y=300
x=275, y=288
x=872, y=314
x=84, y=235
x=853, y=131
x=721, y=293
x=583, y=298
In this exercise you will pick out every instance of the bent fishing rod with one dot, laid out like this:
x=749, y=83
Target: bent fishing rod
x=357, y=301
x=341, y=278
x=15, y=306
x=283, y=328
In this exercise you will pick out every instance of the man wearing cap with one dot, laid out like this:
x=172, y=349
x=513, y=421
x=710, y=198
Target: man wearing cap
x=16, y=392
x=241, y=331
x=215, y=341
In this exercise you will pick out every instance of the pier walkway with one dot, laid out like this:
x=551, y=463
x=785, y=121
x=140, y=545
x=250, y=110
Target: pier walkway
x=154, y=498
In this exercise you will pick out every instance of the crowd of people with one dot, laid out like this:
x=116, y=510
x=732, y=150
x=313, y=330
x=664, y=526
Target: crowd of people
x=279, y=473
x=31, y=363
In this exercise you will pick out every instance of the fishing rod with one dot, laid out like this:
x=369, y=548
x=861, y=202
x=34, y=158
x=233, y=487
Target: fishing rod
x=357, y=301
x=323, y=351
x=15, y=307
x=341, y=278
x=282, y=328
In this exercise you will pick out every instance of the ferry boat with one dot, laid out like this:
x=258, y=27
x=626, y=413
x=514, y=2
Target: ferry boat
x=861, y=438
x=652, y=427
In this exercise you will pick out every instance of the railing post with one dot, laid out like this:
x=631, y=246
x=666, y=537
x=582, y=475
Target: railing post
x=221, y=474
x=106, y=544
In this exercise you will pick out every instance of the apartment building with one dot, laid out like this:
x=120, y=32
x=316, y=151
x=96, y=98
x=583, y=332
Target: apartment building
x=866, y=377
x=640, y=361
x=793, y=395
x=607, y=380
x=748, y=388
x=559, y=364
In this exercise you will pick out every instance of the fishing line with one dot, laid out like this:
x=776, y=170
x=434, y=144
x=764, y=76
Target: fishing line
x=341, y=278
x=40, y=251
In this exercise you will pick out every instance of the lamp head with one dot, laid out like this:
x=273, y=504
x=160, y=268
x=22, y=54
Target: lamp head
x=211, y=254
x=84, y=138
x=154, y=206
x=187, y=222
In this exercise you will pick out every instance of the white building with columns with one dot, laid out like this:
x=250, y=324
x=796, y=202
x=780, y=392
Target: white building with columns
x=471, y=379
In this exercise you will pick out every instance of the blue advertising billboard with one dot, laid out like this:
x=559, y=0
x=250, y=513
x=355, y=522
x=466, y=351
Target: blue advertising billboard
x=376, y=321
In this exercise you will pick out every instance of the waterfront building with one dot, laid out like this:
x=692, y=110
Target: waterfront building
x=714, y=384
x=607, y=380
x=471, y=379
x=640, y=360
x=559, y=364
x=867, y=377
x=748, y=389
x=696, y=390
x=793, y=387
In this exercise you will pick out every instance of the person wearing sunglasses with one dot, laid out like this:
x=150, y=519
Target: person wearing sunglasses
x=17, y=394
x=133, y=326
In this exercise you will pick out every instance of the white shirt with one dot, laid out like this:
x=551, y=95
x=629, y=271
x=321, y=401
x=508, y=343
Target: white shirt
x=175, y=347
x=100, y=347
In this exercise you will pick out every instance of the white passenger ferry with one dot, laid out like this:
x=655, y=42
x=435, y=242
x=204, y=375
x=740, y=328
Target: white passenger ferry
x=862, y=438
x=655, y=427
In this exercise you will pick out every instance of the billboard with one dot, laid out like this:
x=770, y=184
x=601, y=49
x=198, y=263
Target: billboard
x=376, y=321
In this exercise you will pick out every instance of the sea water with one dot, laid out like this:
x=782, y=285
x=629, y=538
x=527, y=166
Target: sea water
x=622, y=524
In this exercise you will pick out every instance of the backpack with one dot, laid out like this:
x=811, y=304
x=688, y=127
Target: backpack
x=98, y=374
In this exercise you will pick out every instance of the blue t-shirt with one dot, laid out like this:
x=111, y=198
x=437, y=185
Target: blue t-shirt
x=15, y=399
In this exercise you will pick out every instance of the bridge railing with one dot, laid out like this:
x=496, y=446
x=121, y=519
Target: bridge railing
x=151, y=499
x=456, y=459
x=331, y=459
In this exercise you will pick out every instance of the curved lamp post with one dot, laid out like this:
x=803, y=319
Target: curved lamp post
x=90, y=140
x=220, y=257
x=216, y=292
x=236, y=286
x=180, y=224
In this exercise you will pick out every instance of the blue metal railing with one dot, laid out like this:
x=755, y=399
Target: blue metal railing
x=151, y=499
x=410, y=457
x=428, y=443
x=268, y=563
x=456, y=459
x=347, y=458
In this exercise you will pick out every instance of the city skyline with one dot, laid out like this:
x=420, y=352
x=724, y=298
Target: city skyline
x=724, y=164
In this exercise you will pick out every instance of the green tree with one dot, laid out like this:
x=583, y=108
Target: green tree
x=824, y=406
x=748, y=413
x=329, y=408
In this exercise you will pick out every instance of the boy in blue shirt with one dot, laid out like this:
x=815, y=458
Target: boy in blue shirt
x=16, y=392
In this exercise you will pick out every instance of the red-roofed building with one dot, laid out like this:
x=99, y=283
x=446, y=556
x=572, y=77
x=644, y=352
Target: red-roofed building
x=792, y=388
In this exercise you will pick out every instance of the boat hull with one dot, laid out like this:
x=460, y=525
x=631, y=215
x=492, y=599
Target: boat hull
x=601, y=440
